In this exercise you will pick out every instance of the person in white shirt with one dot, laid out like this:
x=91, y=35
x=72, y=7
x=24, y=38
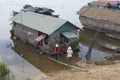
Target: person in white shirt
x=69, y=55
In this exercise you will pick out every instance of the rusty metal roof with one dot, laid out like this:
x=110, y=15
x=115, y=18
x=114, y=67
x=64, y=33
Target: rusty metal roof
x=100, y=13
x=43, y=23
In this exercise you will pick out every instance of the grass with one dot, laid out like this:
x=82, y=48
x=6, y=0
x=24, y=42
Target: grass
x=4, y=71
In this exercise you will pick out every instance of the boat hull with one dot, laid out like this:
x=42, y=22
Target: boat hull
x=106, y=26
x=109, y=46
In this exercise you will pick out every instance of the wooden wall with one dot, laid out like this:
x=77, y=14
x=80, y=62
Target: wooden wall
x=100, y=24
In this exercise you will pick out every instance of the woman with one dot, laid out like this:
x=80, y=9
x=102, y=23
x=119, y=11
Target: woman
x=69, y=55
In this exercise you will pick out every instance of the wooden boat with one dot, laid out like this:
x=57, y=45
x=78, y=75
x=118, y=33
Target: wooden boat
x=113, y=36
x=105, y=18
x=109, y=46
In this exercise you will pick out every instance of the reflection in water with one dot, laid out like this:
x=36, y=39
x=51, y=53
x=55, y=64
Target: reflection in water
x=19, y=67
x=96, y=55
x=98, y=52
x=40, y=61
x=87, y=37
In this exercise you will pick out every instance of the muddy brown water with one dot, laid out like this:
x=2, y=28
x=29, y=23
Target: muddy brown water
x=36, y=58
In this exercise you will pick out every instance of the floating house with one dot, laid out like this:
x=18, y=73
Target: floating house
x=102, y=15
x=42, y=30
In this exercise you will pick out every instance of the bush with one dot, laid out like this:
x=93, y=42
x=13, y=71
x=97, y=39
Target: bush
x=51, y=48
x=4, y=71
x=12, y=32
x=75, y=45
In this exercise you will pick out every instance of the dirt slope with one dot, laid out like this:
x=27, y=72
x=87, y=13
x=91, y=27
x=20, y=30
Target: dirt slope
x=106, y=72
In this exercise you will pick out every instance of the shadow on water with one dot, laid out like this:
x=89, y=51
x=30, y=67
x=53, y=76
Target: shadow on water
x=98, y=52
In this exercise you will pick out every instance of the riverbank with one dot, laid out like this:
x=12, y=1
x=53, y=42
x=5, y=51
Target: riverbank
x=101, y=72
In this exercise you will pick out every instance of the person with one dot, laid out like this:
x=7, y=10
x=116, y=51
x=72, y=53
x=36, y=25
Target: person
x=56, y=51
x=37, y=47
x=69, y=55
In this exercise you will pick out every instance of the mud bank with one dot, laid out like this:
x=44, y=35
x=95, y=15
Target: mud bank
x=106, y=72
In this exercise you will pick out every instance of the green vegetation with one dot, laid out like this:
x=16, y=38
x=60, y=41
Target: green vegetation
x=74, y=45
x=12, y=32
x=4, y=71
x=52, y=46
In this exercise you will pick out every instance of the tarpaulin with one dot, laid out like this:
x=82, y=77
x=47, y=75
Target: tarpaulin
x=42, y=36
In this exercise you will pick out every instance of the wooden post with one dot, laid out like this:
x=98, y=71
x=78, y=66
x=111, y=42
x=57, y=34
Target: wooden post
x=92, y=44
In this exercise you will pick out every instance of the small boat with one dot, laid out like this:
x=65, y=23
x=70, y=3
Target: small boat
x=110, y=46
x=113, y=36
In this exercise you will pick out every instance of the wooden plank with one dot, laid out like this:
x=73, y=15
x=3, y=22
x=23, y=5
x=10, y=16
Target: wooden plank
x=81, y=69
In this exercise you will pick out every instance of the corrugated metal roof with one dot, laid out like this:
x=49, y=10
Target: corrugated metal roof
x=43, y=23
x=69, y=34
